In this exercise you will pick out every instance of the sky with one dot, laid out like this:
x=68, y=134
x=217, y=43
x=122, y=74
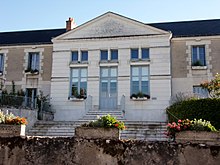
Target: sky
x=20, y=15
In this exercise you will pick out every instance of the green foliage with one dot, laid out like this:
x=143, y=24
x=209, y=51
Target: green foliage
x=107, y=121
x=212, y=86
x=199, y=125
x=207, y=109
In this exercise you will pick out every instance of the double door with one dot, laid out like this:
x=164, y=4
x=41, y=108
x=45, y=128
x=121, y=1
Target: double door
x=108, y=88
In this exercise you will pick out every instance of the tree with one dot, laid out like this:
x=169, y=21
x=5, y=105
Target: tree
x=213, y=86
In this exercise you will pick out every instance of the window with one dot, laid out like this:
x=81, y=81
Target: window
x=200, y=91
x=84, y=56
x=198, y=56
x=104, y=55
x=33, y=62
x=145, y=53
x=134, y=54
x=114, y=54
x=140, y=79
x=1, y=63
x=75, y=56
x=78, y=82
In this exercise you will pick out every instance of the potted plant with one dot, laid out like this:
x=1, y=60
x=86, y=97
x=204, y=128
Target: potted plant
x=32, y=71
x=12, y=126
x=192, y=131
x=139, y=96
x=105, y=127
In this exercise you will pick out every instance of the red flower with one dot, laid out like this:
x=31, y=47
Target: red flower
x=116, y=125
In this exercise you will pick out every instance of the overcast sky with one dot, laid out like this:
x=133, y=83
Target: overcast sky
x=17, y=15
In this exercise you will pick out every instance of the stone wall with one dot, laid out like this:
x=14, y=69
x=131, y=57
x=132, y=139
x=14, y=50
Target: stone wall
x=70, y=151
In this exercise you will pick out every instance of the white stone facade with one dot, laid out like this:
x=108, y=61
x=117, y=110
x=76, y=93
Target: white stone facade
x=111, y=31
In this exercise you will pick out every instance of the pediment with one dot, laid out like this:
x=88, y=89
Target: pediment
x=110, y=25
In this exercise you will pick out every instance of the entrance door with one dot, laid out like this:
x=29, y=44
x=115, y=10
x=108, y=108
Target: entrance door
x=108, y=88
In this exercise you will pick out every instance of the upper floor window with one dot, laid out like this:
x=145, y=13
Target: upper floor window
x=198, y=56
x=78, y=83
x=75, y=56
x=134, y=54
x=1, y=63
x=114, y=54
x=33, y=62
x=140, y=80
x=200, y=91
x=84, y=56
x=144, y=53
x=143, y=56
x=104, y=55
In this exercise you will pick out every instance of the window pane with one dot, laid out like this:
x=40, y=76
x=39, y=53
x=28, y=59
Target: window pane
x=75, y=56
x=144, y=71
x=104, y=72
x=114, y=54
x=134, y=53
x=74, y=90
x=135, y=90
x=198, y=56
x=113, y=72
x=200, y=91
x=145, y=53
x=135, y=71
x=84, y=72
x=84, y=55
x=202, y=55
x=75, y=73
x=104, y=55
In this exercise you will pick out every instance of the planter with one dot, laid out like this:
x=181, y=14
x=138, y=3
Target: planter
x=198, y=137
x=139, y=99
x=97, y=133
x=7, y=130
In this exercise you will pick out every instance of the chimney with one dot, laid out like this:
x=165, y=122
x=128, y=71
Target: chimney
x=70, y=24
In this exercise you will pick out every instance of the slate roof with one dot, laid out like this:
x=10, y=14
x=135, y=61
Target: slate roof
x=178, y=29
x=191, y=28
x=29, y=37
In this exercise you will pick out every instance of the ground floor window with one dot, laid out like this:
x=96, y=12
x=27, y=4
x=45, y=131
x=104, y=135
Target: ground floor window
x=140, y=80
x=200, y=91
x=78, y=84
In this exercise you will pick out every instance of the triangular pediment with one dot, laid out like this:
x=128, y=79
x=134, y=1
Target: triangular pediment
x=110, y=25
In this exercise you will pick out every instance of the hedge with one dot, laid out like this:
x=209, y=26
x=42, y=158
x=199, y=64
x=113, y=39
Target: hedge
x=206, y=109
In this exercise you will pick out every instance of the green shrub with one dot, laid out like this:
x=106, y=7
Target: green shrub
x=207, y=109
x=199, y=125
x=107, y=121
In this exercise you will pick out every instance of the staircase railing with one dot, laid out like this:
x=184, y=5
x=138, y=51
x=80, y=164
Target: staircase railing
x=88, y=104
x=122, y=104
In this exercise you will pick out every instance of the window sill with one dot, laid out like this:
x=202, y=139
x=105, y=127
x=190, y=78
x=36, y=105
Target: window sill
x=76, y=99
x=80, y=64
x=199, y=67
x=140, y=61
x=108, y=63
x=139, y=99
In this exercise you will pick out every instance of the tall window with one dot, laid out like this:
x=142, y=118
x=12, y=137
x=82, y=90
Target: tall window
x=104, y=55
x=114, y=54
x=1, y=63
x=198, y=55
x=140, y=79
x=33, y=61
x=200, y=91
x=78, y=82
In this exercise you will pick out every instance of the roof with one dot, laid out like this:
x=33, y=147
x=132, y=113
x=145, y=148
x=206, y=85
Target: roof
x=178, y=29
x=191, y=28
x=29, y=37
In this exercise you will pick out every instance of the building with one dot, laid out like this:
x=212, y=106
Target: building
x=104, y=64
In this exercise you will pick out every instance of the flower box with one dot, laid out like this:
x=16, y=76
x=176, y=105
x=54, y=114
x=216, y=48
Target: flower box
x=7, y=130
x=97, y=133
x=198, y=137
x=139, y=99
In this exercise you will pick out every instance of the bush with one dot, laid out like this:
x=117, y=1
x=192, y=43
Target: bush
x=207, y=109
x=107, y=121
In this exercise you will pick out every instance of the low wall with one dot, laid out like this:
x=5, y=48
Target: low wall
x=30, y=115
x=72, y=151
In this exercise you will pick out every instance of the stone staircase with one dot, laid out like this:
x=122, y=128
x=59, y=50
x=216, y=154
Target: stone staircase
x=151, y=131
